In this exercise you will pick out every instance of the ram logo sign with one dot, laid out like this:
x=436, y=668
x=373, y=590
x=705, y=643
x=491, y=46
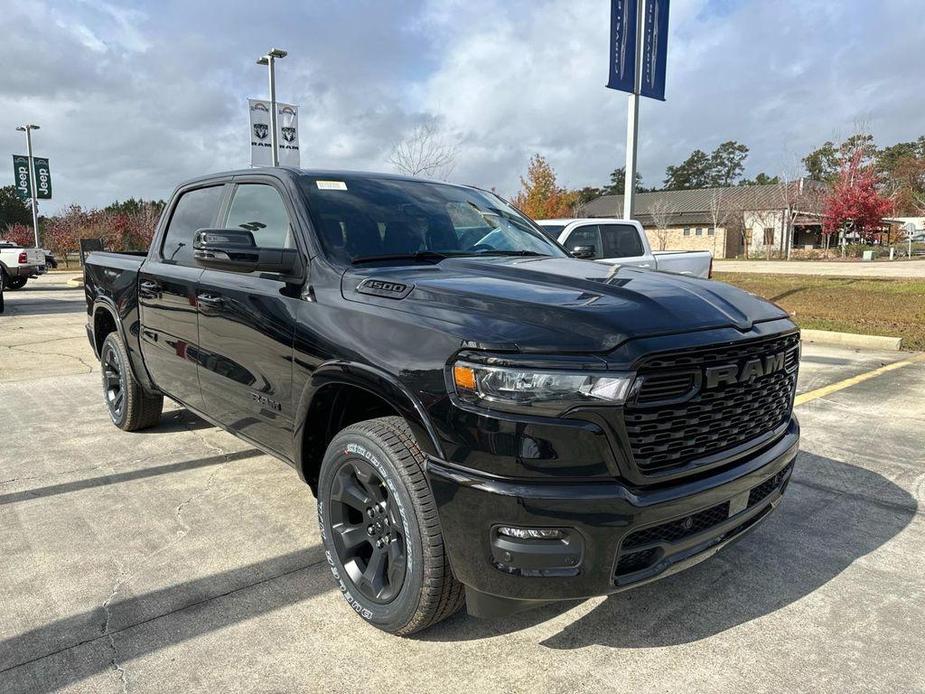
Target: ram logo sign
x=743, y=372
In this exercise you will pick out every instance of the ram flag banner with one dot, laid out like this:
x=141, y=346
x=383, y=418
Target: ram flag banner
x=287, y=136
x=21, y=177
x=622, y=45
x=655, y=50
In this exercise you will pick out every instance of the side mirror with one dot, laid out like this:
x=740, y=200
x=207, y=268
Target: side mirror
x=585, y=252
x=236, y=251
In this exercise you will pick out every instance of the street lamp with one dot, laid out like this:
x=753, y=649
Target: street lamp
x=28, y=128
x=269, y=60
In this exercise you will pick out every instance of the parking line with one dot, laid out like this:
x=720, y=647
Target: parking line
x=854, y=380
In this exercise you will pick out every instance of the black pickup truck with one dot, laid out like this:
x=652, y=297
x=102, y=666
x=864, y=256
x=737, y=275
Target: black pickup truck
x=481, y=417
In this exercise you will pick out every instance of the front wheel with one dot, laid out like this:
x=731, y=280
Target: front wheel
x=130, y=407
x=380, y=528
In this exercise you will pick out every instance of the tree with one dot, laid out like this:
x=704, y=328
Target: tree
x=693, y=172
x=424, y=152
x=762, y=179
x=854, y=204
x=901, y=175
x=727, y=163
x=662, y=213
x=618, y=182
x=719, y=212
x=722, y=167
x=20, y=234
x=12, y=209
x=826, y=162
x=540, y=197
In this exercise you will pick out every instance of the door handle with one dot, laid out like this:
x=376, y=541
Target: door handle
x=148, y=289
x=211, y=300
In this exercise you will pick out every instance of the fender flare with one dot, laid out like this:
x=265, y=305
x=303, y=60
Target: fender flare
x=378, y=383
x=104, y=303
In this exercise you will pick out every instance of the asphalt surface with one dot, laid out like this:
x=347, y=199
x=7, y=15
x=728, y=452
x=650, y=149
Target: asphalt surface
x=879, y=269
x=180, y=559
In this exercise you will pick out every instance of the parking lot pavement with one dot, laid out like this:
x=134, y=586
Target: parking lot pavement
x=181, y=559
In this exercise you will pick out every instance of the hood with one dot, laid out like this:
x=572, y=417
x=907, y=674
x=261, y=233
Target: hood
x=555, y=304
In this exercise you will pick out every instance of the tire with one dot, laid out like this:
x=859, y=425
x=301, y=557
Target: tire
x=130, y=408
x=372, y=490
x=15, y=282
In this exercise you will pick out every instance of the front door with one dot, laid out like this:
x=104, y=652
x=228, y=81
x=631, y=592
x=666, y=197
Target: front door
x=167, y=298
x=246, y=328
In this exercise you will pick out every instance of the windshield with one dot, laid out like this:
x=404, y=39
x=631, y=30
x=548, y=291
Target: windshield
x=360, y=217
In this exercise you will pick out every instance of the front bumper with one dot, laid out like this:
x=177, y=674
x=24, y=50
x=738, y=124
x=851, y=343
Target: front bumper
x=677, y=525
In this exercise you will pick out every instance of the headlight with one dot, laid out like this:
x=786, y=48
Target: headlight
x=543, y=391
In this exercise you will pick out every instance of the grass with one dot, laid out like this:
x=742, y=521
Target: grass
x=868, y=306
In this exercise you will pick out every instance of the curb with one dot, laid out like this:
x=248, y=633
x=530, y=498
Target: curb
x=75, y=282
x=827, y=337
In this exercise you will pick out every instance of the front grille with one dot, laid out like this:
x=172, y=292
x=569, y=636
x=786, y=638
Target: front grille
x=674, y=421
x=642, y=548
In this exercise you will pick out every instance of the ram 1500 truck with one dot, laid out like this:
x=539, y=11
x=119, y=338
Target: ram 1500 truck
x=625, y=242
x=18, y=264
x=481, y=417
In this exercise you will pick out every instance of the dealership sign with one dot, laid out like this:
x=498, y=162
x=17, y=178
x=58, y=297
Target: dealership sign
x=287, y=133
x=623, y=44
x=42, y=177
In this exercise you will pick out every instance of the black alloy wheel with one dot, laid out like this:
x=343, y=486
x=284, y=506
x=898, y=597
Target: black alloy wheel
x=367, y=532
x=113, y=381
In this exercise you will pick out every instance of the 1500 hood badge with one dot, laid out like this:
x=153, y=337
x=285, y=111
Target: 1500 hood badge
x=390, y=290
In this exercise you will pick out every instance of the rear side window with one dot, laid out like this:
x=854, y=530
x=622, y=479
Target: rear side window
x=588, y=235
x=196, y=209
x=260, y=209
x=621, y=241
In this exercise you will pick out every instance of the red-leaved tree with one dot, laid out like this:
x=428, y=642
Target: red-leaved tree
x=853, y=203
x=20, y=234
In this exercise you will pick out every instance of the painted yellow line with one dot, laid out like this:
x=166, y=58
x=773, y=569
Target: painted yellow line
x=854, y=380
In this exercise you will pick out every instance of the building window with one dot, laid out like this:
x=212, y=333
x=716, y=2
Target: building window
x=711, y=231
x=768, y=236
x=699, y=231
x=687, y=231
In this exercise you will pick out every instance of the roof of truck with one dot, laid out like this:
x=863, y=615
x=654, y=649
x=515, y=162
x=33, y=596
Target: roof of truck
x=314, y=173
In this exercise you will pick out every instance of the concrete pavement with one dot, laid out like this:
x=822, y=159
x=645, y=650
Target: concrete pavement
x=181, y=559
x=898, y=269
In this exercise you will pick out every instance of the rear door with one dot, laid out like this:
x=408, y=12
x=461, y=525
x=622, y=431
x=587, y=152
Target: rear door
x=246, y=325
x=621, y=244
x=167, y=286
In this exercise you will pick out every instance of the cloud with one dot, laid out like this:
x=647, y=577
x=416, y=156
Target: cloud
x=131, y=102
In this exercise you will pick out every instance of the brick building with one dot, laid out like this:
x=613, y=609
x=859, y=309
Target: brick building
x=726, y=221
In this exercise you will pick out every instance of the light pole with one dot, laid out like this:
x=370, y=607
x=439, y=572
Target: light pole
x=35, y=206
x=269, y=60
x=632, y=117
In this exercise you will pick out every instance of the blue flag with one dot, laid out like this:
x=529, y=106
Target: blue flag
x=623, y=45
x=655, y=50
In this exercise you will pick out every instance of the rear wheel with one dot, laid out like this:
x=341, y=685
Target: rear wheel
x=380, y=528
x=15, y=282
x=130, y=408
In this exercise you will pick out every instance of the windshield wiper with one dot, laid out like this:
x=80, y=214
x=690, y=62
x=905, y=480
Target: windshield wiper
x=429, y=256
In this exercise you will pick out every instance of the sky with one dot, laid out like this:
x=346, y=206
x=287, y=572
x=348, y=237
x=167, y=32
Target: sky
x=134, y=97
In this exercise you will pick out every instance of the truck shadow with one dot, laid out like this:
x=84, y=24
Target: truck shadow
x=833, y=514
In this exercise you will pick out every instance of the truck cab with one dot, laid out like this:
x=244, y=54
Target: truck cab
x=623, y=241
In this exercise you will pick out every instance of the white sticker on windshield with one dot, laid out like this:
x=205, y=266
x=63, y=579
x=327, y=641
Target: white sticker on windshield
x=331, y=185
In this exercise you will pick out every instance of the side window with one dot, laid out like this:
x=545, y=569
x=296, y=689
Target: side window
x=588, y=235
x=260, y=209
x=621, y=241
x=195, y=209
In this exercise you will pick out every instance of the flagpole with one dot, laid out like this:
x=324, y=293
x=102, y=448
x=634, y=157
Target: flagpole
x=33, y=192
x=632, y=117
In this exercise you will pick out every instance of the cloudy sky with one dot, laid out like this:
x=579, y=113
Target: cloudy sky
x=133, y=97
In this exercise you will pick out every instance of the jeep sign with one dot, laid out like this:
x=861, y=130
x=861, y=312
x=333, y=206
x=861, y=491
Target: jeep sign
x=21, y=177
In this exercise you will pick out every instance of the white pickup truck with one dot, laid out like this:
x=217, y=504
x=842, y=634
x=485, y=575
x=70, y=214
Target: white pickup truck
x=18, y=264
x=623, y=241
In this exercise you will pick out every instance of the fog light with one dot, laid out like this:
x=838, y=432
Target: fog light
x=532, y=533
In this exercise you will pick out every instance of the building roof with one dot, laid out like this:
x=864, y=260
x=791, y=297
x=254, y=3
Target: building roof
x=694, y=205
